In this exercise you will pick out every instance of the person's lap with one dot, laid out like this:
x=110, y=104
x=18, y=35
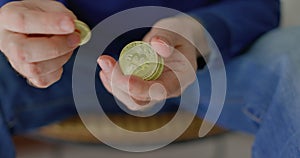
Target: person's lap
x=261, y=97
x=263, y=94
x=279, y=126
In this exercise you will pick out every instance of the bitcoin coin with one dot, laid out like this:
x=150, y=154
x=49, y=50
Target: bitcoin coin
x=158, y=71
x=139, y=59
x=84, y=30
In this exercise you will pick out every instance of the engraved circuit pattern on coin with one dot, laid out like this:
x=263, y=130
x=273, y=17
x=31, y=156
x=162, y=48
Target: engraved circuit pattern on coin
x=139, y=59
x=84, y=30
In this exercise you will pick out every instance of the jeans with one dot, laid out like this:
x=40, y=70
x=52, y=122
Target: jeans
x=262, y=98
x=263, y=94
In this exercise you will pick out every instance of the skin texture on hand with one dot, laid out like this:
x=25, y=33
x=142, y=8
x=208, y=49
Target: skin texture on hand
x=168, y=37
x=38, y=38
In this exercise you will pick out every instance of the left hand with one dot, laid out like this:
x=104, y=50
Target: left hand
x=180, y=57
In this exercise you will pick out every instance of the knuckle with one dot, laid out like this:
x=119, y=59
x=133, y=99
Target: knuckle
x=17, y=68
x=137, y=92
x=133, y=88
x=33, y=69
x=58, y=77
x=62, y=8
x=8, y=12
x=16, y=50
x=60, y=73
x=41, y=82
x=57, y=4
x=55, y=52
x=19, y=21
x=45, y=82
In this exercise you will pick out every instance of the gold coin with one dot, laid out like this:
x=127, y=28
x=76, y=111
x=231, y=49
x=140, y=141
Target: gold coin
x=139, y=59
x=84, y=30
x=158, y=71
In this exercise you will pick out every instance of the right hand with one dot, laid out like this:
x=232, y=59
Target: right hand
x=38, y=37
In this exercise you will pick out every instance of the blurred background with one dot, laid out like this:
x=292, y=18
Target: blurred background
x=228, y=145
x=225, y=145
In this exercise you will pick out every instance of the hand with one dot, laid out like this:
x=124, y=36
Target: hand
x=38, y=38
x=169, y=38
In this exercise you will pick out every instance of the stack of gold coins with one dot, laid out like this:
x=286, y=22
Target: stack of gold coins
x=138, y=58
x=84, y=30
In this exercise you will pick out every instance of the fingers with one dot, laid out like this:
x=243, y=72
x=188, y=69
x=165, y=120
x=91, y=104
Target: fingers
x=40, y=59
x=105, y=81
x=162, y=41
x=38, y=38
x=171, y=83
x=122, y=96
x=129, y=89
x=46, y=80
x=111, y=70
x=135, y=87
x=20, y=18
x=25, y=49
x=31, y=70
x=130, y=102
x=52, y=6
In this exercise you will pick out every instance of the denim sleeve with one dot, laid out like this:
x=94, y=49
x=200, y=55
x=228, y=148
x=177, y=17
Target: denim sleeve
x=235, y=24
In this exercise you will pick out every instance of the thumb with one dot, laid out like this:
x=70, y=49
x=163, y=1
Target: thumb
x=162, y=46
x=162, y=41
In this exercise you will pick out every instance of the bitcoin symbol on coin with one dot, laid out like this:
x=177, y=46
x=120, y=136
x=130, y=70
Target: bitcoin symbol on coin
x=139, y=59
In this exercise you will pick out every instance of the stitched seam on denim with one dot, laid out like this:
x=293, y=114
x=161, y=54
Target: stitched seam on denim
x=252, y=116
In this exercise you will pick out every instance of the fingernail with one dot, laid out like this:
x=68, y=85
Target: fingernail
x=160, y=41
x=105, y=65
x=66, y=25
x=73, y=40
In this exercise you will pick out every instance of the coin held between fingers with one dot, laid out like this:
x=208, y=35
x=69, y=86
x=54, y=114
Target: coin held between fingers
x=138, y=58
x=84, y=30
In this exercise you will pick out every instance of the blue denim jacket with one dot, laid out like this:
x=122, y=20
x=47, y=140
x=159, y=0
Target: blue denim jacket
x=234, y=24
